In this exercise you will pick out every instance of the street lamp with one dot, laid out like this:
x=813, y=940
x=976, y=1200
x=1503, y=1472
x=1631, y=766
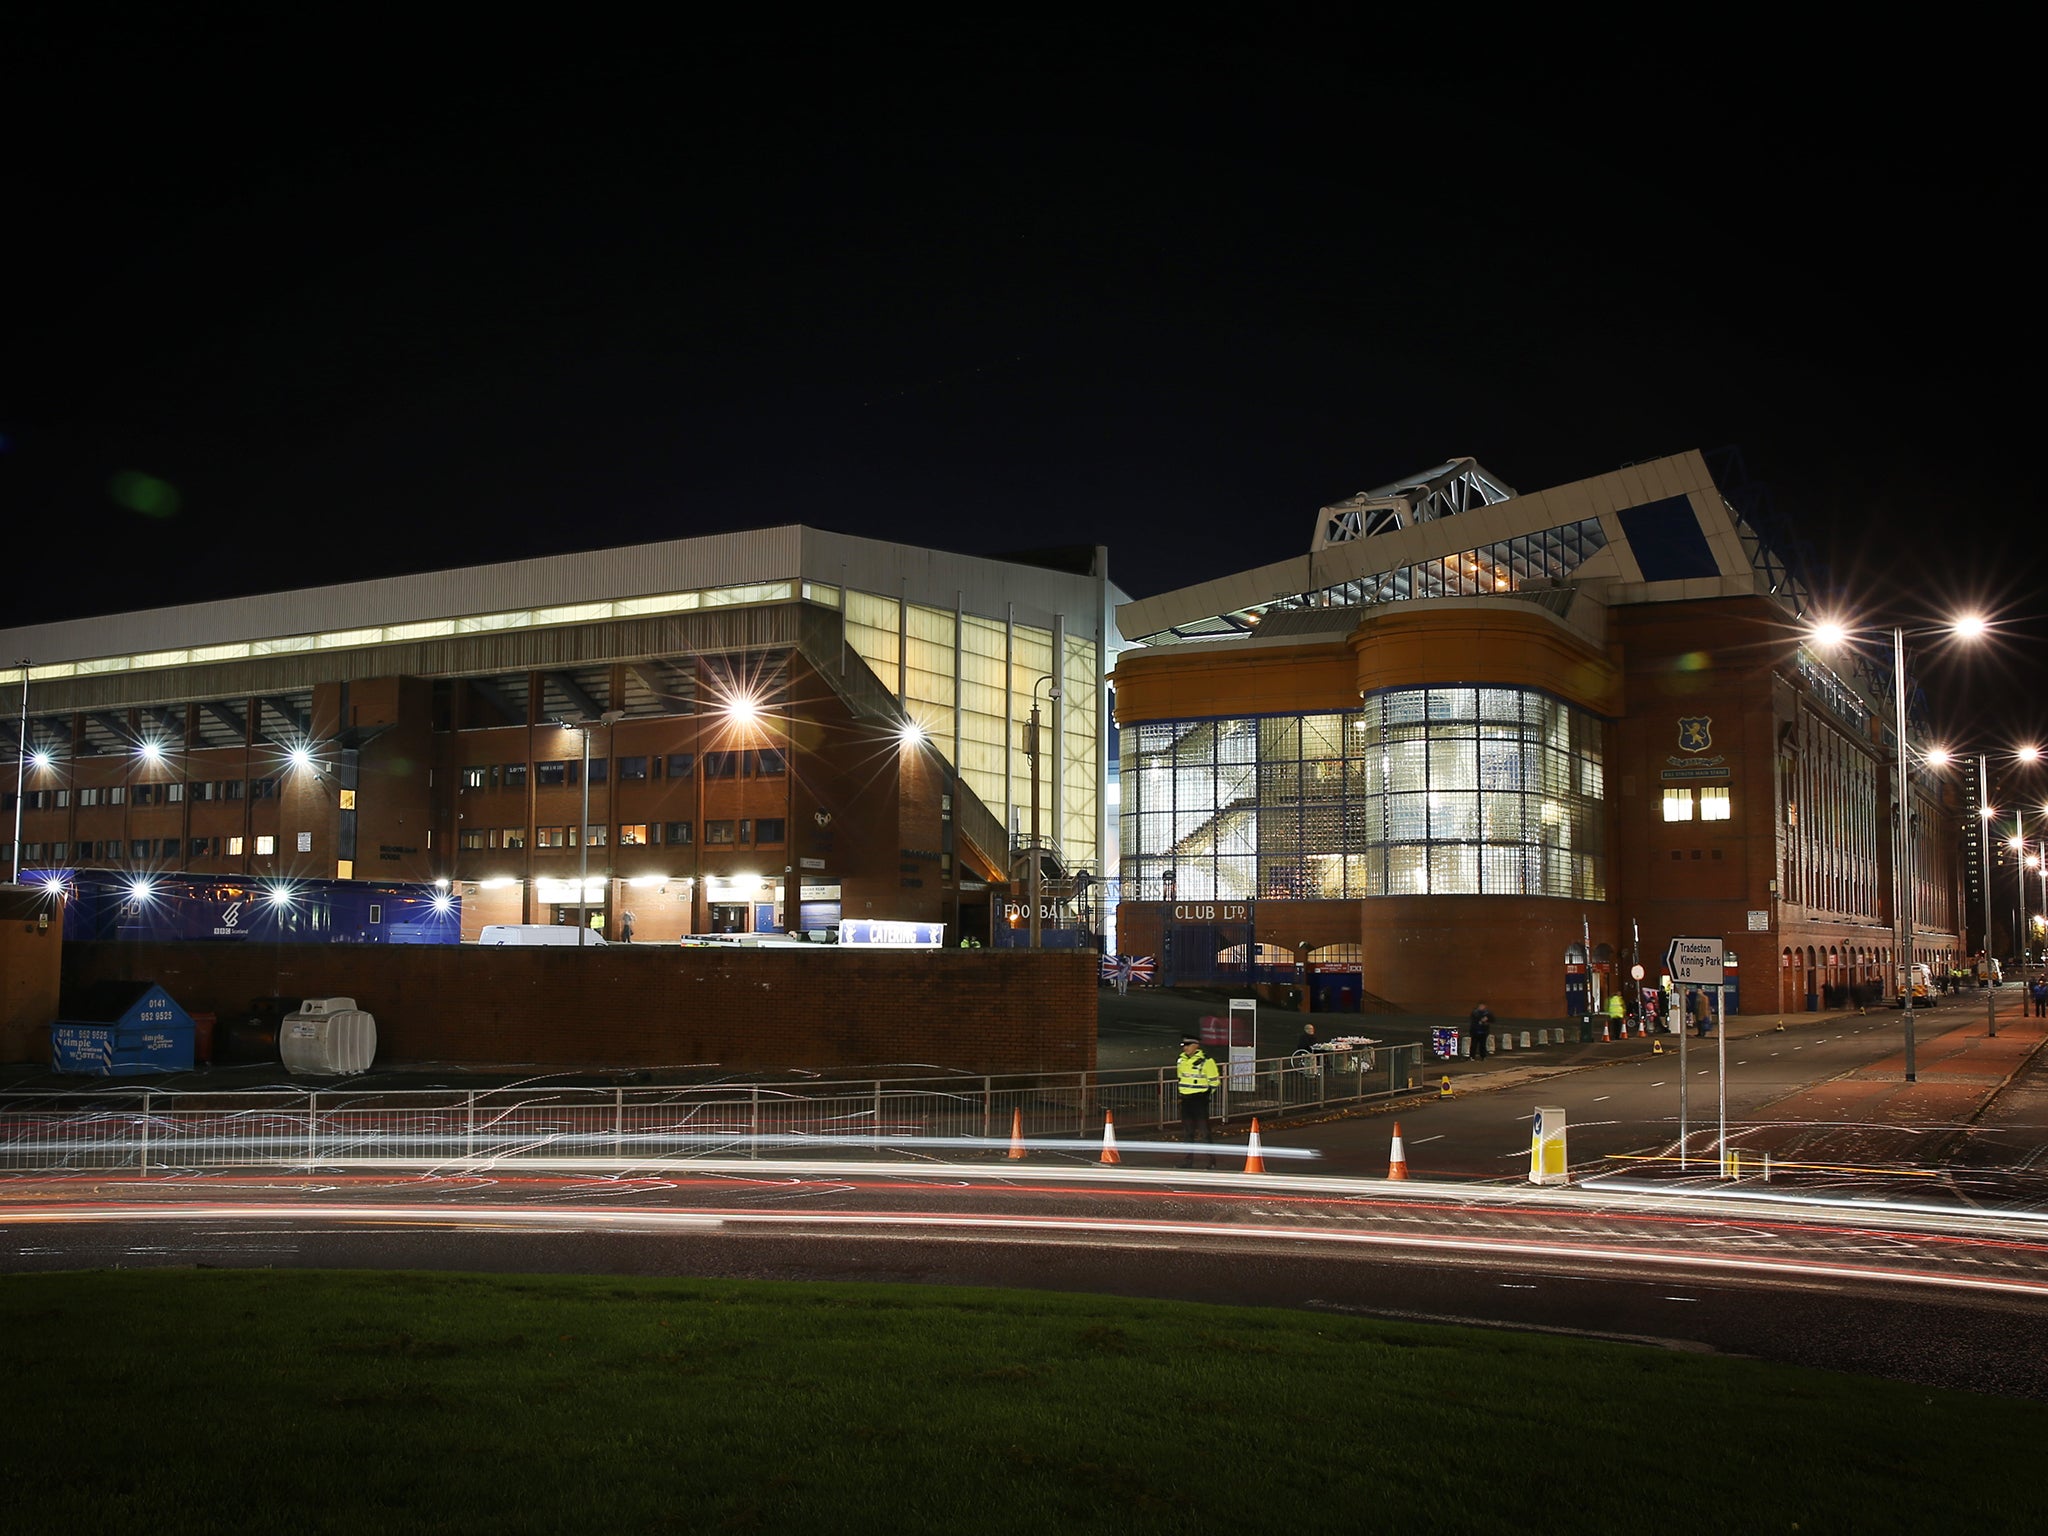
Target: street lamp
x=21, y=770
x=1832, y=635
x=1940, y=757
x=1035, y=874
x=610, y=717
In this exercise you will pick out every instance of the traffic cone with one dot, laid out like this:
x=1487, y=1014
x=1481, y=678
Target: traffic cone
x=1397, y=1158
x=1443, y=1090
x=1657, y=1046
x=1109, y=1152
x=1606, y=1033
x=1254, y=1162
x=1016, y=1135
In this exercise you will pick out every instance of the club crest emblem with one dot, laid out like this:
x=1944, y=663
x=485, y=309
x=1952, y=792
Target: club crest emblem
x=1695, y=733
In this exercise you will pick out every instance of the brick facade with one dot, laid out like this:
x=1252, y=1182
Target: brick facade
x=746, y=1010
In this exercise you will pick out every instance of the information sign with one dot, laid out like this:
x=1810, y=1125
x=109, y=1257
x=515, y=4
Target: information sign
x=1695, y=962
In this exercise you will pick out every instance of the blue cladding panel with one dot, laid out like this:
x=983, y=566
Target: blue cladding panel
x=1667, y=541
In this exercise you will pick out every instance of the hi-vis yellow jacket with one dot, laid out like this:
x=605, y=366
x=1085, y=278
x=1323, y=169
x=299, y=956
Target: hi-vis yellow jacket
x=1198, y=1073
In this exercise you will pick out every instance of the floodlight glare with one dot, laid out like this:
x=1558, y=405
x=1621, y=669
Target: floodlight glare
x=2028, y=753
x=911, y=734
x=280, y=896
x=39, y=760
x=443, y=903
x=302, y=757
x=1938, y=757
x=141, y=890
x=1970, y=627
x=744, y=710
x=152, y=751
x=1829, y=634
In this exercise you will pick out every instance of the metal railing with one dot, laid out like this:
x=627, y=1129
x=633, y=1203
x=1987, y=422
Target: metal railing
x=148, y=1129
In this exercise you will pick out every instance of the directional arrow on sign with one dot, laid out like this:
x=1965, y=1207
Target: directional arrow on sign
x=1694, y=961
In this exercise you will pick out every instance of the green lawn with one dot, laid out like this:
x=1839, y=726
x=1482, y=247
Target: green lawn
x=348, y=1402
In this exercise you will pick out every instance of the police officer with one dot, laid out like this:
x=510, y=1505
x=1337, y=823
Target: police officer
x=1198, y=1080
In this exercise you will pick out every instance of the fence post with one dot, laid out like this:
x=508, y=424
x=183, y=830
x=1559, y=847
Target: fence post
x=1081, y=1105
x=754, y=1124
x=876, y=1124
x=312, y=1124
x=987, y=1104
x=145, y=1134
x=469, y=1124
x=618, y=1116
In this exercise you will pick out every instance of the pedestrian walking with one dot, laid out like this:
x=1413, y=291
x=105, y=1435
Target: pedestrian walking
x=626, y=927
x=1198, y=1077
x=1481, y=1025
x=1702, y=1014
x=2040, y=992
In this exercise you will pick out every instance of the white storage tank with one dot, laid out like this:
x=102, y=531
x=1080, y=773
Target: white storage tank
x=327, y=1037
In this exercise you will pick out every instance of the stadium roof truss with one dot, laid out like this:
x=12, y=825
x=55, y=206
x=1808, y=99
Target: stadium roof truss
x=1459, y=531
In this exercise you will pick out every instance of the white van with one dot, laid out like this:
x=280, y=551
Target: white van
x=537, y=933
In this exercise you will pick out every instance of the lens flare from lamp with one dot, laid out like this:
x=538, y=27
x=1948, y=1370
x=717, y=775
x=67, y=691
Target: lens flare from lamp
x=443, y=904
x=141, y=890
x=1970, y=627
x=1829, y=634
x=911, y=734
x=1938, y=757
x=40, y=761
x=301, y=757
x=151, y=751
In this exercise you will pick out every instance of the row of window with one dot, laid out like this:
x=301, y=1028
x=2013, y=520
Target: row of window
x=144, y=794
x=765, y=831
x=1714, y=803
x=755, y=763
x=146, y=848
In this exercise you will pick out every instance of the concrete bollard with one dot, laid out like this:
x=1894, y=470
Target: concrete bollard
x=1525, y=1039
x=1464, y=1048
x=1507, y=1039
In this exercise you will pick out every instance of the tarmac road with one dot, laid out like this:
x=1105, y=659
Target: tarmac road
x=1918, y=1298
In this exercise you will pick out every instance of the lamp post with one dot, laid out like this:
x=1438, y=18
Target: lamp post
x=610, y=717
x=1036, y=871
x=1903, y=871
x=1902, y=864
x=21, y=770
x=1984, y=875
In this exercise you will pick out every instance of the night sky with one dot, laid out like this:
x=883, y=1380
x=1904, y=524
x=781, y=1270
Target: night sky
x=292, y=306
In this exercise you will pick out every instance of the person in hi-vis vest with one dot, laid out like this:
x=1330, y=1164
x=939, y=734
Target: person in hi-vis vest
x=1199, y=1078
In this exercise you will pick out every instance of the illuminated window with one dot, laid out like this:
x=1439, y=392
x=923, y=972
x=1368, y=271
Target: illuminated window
x=551, y=837
x=265, y=845
x=515, y=837
x=593, y=837
x=632, y=834
x=718, y=831
x=474, y=840
x=1715, y=804
x=1678, y=805
x=234, y=847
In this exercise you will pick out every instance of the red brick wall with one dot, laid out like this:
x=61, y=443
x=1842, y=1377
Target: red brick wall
x=980, y=1010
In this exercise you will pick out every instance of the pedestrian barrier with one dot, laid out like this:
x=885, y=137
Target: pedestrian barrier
x=1254, y=1154
x=1397, y=1156
x=148, y=1129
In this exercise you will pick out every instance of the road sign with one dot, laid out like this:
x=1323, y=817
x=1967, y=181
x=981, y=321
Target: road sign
x=1636, y=972
x=1695, y=962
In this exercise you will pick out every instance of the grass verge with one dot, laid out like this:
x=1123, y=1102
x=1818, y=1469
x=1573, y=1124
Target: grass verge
x=300, y=1401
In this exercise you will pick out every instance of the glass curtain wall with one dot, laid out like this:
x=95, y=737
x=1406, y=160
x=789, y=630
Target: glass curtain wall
x=992, y=665
x=1425, y=791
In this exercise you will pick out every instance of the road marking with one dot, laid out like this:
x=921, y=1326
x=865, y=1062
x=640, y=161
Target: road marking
x=1704, y=1072
x=1504, y=1285
x=1603, y=1098
x=1658, y=1084
x=1439, y=1136
x=1681, y=1298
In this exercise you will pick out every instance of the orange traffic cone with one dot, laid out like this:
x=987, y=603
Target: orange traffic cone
x=1606, y=1033
x=1397, y=1159
x=1254, y=1160
x=1016, y=1135
x=1109, y=1152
